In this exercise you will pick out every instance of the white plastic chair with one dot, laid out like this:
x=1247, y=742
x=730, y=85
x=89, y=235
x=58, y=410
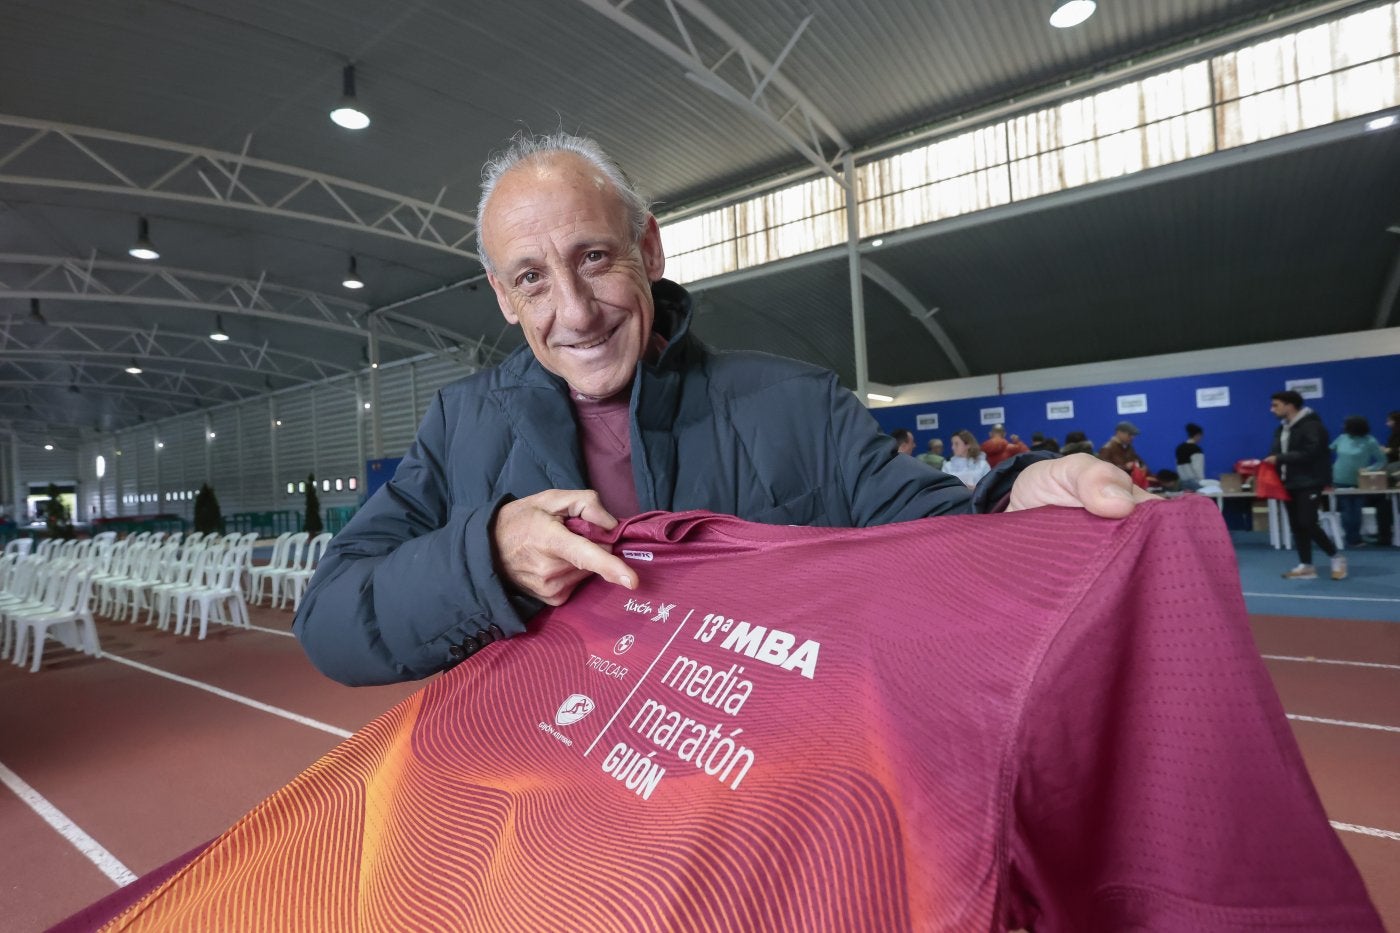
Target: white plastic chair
x=70, y=614
x=295, y=580
x=219, y=592
x=268, y=573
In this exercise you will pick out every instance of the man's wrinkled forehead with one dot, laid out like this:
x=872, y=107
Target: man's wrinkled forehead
x=544, y=190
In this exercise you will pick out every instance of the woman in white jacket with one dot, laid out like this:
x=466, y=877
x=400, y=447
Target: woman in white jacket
x=968, y=463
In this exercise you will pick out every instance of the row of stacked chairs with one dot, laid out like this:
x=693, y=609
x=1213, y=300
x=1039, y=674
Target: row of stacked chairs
x=173, y=575
x=47, y=591
x=285, y=575
x=54, y=588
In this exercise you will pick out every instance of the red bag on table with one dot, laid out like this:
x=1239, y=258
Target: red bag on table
x=1247, y=467
x=1268, y=484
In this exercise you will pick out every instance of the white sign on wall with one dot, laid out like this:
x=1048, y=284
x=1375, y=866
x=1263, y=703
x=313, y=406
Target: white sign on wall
x=1059, y=411
x=1307, y=388
x=1132, y=404
x=1214, y=397
x=993, y=415
x=928, y=421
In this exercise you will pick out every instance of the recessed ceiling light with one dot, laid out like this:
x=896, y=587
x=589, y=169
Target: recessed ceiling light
x=133, y=368
x=348, y=113
x=877, y=242
x=1072, y=13
x=1380, y=123
x=48, y=447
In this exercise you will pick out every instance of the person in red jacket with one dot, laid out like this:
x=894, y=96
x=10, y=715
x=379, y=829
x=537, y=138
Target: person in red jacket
x=998, y=448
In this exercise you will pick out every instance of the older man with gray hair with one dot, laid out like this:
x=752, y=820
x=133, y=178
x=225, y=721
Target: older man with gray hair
x=612, y=408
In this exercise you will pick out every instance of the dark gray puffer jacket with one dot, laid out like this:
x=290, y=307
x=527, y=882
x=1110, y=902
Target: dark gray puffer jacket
x=410, y=586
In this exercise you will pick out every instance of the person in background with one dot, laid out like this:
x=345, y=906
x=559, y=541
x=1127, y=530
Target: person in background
x=1191, y=459
x=1385, y=517
x=934, y=457
x=997, y=448
x=904, y=440
x=1300, y=453
x=1356, y=450
x=968, y=463
x=1119, y=450
x=1042, y=442
x=1077, y=442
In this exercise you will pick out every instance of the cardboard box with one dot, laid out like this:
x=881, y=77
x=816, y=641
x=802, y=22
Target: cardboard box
x=1260, y=515
x=1231, y=482
x=1374, y=479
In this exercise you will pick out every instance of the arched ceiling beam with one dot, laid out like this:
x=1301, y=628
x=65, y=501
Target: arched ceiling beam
x=177, y=380
x=766, y=94
x=122, y=399
x=195, y=175
x=64, y=339
x=1385, y=307
x=189, y=395
x=877, y=274
x=134, y=283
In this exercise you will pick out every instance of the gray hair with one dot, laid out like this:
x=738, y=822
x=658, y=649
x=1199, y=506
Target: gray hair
x=526, y=147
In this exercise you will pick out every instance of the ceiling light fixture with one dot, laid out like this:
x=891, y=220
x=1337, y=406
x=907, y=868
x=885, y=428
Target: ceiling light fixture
x=36, y=313
x=1380, y=123
x=48, y=447
x=348, y=113
x=352, y=276
x=878, y=241
x=1071, y=13
x=877, y=397
x=133, y=368
x=218, y=333
x=143, y=248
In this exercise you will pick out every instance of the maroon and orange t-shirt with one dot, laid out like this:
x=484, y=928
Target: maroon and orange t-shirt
x=1037, y=719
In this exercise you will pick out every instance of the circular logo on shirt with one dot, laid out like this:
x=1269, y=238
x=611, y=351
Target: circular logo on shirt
x=624, y=644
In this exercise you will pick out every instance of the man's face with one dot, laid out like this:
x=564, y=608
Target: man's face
x=567, y=271
x=906, y=446
x=935, y=447
x=1279, y=409
x=1124, y=437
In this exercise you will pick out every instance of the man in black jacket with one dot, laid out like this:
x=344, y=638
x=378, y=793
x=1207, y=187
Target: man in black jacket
x=612, y=408
x=1301, y=453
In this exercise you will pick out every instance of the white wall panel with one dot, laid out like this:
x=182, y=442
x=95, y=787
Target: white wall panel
x=226, y=460
x=397, y=419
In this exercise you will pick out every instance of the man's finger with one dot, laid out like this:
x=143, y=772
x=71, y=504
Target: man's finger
x=585, y=555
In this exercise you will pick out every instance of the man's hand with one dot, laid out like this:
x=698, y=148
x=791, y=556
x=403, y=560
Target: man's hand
x=1077, y=481
x=542, y=558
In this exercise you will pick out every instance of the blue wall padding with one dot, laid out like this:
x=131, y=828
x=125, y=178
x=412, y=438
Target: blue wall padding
x=1369, y=387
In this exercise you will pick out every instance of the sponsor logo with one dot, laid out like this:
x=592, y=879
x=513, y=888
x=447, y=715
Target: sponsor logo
x=638, y=555
x=664, y=613
x=624, y=644
x=573, y=709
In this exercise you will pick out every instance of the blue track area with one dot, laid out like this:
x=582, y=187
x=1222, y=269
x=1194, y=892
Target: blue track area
x=1370, y=591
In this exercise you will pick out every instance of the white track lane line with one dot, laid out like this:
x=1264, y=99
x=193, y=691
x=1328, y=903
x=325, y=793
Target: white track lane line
x=1284, y=657
x=1366, y=831
x=235, y=697
x=1350, y=599
x=1342, y=722
x=105, y=861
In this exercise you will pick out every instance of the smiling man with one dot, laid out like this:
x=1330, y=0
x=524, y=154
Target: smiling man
x=612, y=408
